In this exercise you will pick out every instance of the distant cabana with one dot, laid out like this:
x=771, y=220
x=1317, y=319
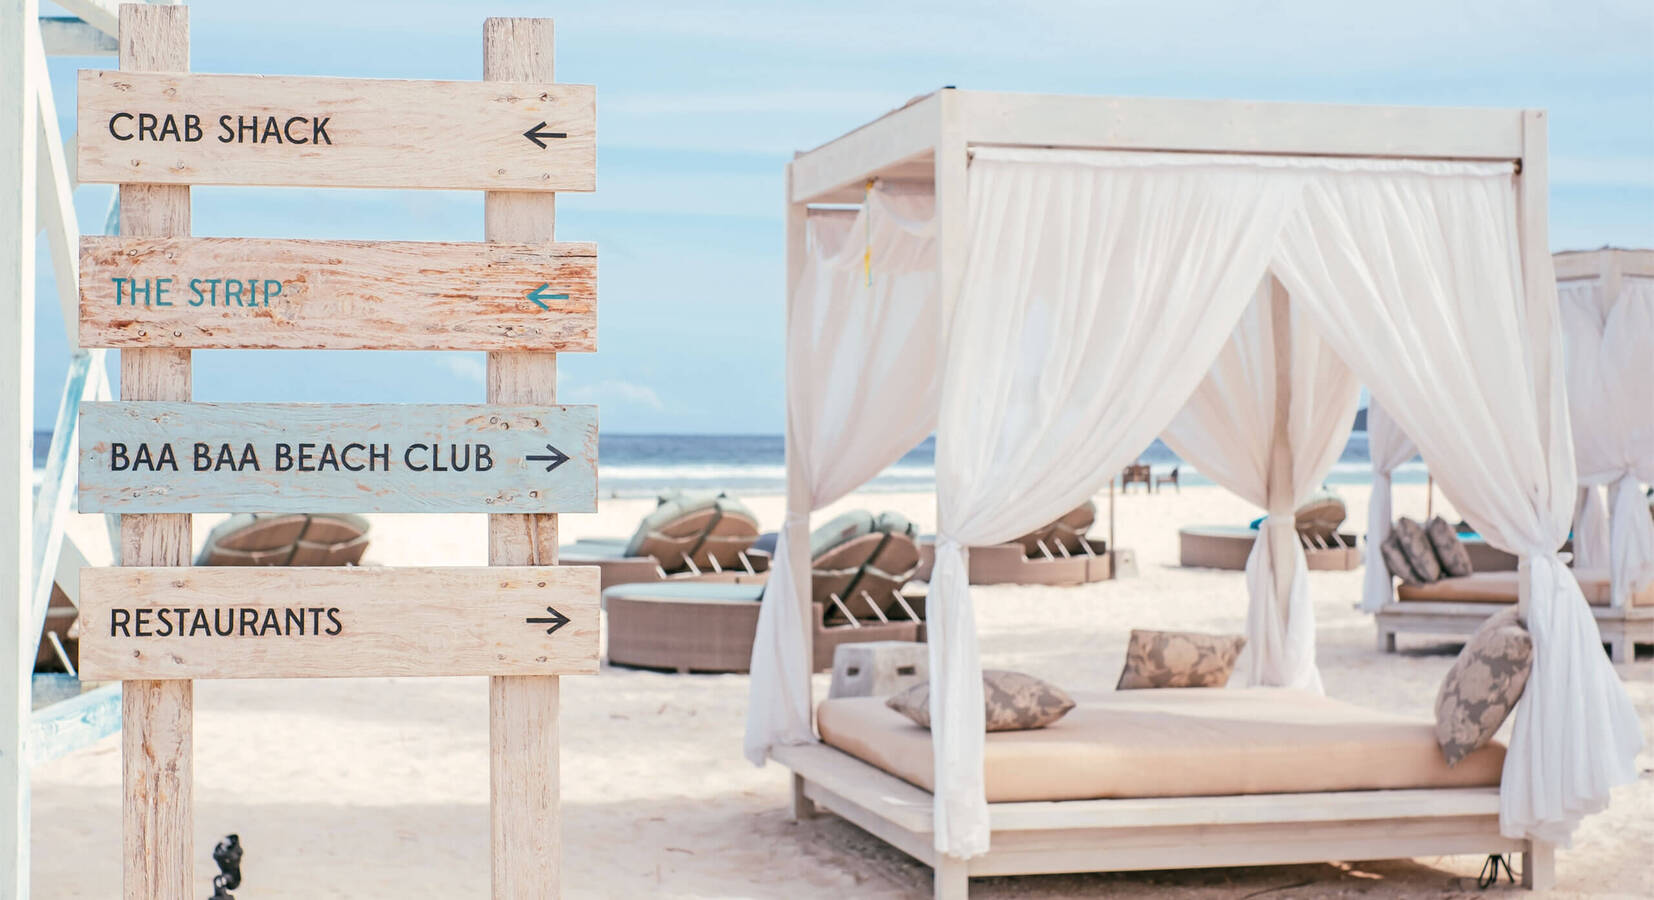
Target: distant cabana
x=1607, y=312
x=1045, y=281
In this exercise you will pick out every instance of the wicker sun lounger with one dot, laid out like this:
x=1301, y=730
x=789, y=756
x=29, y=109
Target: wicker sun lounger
x=695, y=536
x=859, y=565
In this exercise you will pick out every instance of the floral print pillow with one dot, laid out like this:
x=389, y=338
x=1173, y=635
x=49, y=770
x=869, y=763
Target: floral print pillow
x=1483, y=686
x=1178, y=659
x=1012, y=702
x=1420, y=553
x=1455, y=559
x=1395, y=559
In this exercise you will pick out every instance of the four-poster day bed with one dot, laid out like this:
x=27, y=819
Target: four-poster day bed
x=1607, y=302
x=1054, y=277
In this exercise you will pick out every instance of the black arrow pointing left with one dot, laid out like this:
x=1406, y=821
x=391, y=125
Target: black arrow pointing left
x=556, y=458
x=539, y=135
x=556, y=620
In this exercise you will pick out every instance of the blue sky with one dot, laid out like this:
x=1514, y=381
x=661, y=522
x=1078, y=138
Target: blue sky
x=700, y=106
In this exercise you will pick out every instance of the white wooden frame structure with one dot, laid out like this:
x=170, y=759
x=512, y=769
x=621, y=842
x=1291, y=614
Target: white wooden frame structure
x=1622, y=627
x=37, y=182
x=929, y=141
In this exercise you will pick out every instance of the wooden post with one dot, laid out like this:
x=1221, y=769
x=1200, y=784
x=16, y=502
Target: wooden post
x=522, y=733
x=18, y=113
x=157, y=716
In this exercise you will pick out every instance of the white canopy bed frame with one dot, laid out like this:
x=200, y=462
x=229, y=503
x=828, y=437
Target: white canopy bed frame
x=1623, y=624
x=925, y=149
x=928, y=145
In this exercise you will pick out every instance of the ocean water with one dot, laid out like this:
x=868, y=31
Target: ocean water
x=641, y=465
x=634, y=465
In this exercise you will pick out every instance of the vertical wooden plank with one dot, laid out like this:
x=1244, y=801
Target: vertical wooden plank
x=526, y=838
x=18, y=112
x=157, y=733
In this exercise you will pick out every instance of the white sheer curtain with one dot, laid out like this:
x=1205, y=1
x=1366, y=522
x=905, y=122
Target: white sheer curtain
x=1610, y=351
x=1411, y=273
x=1389, y=447
x=1228, y=431
x=1099, y=288
x=863, y=371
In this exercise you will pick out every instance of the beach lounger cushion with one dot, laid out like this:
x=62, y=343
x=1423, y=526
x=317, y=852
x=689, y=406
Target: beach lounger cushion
x=1421, y=555
x=1483, y=686
x=1011, y=701
x=840, y=529
x=286, y=539
x=1178, y=659
x=1069, y=531
x=1321, y=514
x=689, y=526
x=1455, y=559
x=1500, y=587
x=1176, y=743
x=1395, y=559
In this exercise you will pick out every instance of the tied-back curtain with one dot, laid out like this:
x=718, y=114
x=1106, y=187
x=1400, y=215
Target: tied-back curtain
x=863, y=371
x=1610, y=350
x=1388, y=447
x=1411, y=273
x=1228, y=430
x=1097, y=292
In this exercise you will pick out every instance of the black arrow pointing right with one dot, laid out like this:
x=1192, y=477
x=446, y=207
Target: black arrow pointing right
x=556, y=620
x=556, y=458
x=538, y=135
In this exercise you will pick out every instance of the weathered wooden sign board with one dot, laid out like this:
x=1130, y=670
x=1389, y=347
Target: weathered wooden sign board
x=164, y=622
x=152, y=457
x=260, y=294
x=177, y=128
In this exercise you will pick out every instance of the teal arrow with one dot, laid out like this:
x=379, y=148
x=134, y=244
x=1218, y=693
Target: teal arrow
x=539, y=296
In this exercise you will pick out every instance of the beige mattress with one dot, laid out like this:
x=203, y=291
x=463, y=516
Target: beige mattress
x=1178, y=742
x=1500, y=587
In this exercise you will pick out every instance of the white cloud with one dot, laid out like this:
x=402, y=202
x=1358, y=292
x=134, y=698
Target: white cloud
x=465, y=367
x=616, y=392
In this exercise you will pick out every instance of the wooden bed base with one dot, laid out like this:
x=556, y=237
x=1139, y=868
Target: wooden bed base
x=1622, y=628
x=1164, y=832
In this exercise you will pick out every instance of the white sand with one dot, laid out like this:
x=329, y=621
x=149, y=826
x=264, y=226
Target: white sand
x=379, y=788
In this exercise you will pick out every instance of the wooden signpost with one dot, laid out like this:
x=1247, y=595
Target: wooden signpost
x=155, y=457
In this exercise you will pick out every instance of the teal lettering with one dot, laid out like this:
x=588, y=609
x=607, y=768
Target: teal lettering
x=134, y=289
x=161, y=288
x=230, y=294
x=212, y=293
x=200, y=298
x=118, y=283
x=272, y=288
